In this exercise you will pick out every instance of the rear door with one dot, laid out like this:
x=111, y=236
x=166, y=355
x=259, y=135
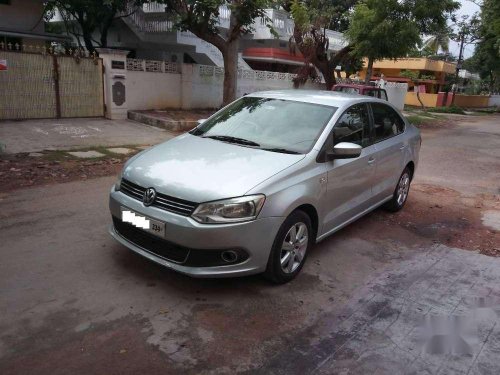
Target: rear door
x=390, y=144
x=349, y=188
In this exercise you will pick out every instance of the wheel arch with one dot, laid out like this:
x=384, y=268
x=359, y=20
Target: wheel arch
x=311, y=211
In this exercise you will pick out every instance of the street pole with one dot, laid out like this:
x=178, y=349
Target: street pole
x=459, y=66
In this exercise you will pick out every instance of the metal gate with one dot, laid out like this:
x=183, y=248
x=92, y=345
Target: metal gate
x=43, y=85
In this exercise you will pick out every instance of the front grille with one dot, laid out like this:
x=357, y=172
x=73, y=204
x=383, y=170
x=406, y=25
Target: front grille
x=151, y=243
x=172, y=252
x=165, y=202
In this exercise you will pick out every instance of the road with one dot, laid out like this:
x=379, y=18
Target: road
x=74, y=301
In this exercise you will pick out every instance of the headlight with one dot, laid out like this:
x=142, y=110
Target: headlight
x=232, y=210
x=118, y=183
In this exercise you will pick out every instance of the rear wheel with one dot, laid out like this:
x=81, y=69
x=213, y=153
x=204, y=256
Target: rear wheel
x=290, y=248
x=400, y=193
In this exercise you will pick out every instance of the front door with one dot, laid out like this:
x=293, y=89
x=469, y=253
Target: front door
x=349, y=190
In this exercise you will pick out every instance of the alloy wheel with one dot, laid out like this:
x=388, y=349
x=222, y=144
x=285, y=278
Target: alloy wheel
x=293, y=249
x=403, y=188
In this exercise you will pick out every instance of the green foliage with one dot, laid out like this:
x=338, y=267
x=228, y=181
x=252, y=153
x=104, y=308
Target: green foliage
x=330, y=14
x=201, y=17
x=451, y=109
x=83, y=18
x=411, y=74
x=300, y=14
x=486, y=60
x=391, y=28
x=440, y=40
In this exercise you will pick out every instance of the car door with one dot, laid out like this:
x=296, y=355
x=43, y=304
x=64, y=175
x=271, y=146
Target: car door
x=349, y=180
x=389, y=143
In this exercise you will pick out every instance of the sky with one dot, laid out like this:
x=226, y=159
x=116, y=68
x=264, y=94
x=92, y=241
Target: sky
x=467, y=8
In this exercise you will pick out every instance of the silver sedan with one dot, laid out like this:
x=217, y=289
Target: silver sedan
x=255, y=186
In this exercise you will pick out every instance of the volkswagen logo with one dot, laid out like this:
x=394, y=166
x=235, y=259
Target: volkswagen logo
x=149, y=196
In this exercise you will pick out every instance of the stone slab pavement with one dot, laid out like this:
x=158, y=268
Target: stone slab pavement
x=63, y=134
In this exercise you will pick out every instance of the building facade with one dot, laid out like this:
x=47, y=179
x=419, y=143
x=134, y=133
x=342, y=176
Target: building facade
x=21, y=23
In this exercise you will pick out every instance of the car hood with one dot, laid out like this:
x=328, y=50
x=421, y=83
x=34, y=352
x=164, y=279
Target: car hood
x=201, y=169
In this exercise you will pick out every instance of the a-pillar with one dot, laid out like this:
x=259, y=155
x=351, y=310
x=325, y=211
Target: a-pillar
x=115, y=82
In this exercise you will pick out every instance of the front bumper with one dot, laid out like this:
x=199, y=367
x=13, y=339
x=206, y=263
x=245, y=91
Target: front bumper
x=254, y=238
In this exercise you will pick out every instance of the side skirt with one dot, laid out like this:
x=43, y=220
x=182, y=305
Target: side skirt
x=354, y=218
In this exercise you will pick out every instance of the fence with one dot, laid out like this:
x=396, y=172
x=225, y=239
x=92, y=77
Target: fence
x=36, y=82
x=159, y=84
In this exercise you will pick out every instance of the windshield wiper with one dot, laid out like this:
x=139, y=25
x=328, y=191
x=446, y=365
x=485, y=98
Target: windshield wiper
x=282, y=150
x=227, y=138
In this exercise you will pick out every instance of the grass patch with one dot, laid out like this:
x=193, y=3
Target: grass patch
x=452, y=109
x=420, y=120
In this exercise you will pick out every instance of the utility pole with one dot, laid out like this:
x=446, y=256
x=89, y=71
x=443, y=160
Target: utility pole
x=459, y=65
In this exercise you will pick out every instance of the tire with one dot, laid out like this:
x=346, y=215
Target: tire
x=401, y=192
x=282, y=273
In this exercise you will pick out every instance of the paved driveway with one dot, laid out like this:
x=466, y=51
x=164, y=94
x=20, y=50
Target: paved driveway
x=39, y=135
x=73, y=301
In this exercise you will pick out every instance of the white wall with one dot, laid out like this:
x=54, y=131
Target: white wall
x=194, y=86
x=494, y=101
x=396, y=93
x=148, y=90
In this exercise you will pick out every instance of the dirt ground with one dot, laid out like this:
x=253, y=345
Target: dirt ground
x=74, y=301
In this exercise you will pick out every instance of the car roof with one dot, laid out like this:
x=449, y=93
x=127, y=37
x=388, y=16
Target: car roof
x=323, y=97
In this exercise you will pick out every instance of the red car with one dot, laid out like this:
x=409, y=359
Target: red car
x=351, y=88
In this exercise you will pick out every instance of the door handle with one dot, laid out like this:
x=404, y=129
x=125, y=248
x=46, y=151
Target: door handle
x=371, y=161
x=402, y=147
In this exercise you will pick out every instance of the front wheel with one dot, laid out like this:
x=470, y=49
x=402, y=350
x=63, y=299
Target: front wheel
x=400, y=193
x=290, y=248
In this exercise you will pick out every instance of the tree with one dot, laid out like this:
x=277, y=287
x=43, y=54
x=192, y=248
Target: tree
x=377, y=28
x=486, y=58
x=84, y=18
x=201, y=18
x=440, y=40
x=376, y=32
x=311, y=19
x=415, y=79
x=391, y=28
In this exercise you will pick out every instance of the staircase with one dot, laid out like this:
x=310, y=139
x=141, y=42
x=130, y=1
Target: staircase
x=151, y=24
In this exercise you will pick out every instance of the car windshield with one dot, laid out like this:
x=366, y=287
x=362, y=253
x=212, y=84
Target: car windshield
x=272, y=124
x=347, y=90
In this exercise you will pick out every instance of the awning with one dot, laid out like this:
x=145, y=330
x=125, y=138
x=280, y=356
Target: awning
x=28, y=34
x=273, y=55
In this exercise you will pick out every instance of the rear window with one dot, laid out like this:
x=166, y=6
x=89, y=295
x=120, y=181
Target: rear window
x=347, y=90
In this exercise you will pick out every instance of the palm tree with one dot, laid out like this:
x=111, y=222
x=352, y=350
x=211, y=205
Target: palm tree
x=440, y=40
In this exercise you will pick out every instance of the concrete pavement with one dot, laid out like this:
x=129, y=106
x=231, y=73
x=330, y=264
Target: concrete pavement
x=49, y=134
x=74, y=301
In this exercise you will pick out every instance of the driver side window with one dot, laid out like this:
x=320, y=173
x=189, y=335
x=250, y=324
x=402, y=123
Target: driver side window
x=353, y=126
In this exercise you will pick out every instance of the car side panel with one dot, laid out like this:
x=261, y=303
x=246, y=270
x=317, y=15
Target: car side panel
x=390, y=157
x=349, y=189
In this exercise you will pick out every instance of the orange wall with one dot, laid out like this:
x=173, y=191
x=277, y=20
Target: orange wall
x=429, y=100
x=472, y=101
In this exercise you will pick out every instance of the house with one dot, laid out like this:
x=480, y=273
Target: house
x=21, y=23
x=149, y=33
x=432, y=72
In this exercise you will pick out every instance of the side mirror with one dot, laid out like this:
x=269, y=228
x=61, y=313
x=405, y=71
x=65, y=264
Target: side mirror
x=344, y=150
x=201, y=121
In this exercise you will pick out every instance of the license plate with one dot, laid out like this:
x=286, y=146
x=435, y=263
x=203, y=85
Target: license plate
x=143, y=222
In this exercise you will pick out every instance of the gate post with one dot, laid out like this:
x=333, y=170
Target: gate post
x=115, y=82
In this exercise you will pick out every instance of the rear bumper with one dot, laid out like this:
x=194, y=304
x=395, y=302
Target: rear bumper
x=254, y=239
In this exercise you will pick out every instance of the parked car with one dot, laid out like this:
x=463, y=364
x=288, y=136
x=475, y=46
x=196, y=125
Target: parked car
x=375, y=92
x=254, y=187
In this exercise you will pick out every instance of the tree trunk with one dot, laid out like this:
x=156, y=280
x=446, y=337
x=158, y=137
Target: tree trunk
x=420, y=100
x=230, y=56
x=369, y=71
x=87, y=39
